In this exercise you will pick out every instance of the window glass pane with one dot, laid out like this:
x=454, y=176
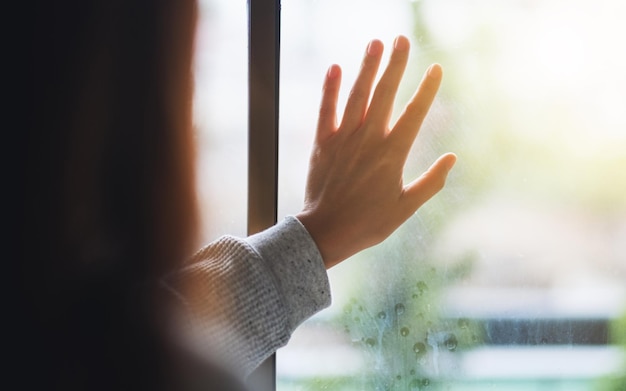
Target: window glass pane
x=220, y=116
x=514, y=276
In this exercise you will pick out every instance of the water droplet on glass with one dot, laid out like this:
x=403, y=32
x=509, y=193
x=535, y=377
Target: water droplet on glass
x=415, y=296
x=371, y=342
x=399, y=377
x=400, y=309
x=404, y=331
x=347, y=309
x=382, y=315
x=422, y=287
x=451, y=342
x=425, y=382
x=412, y=372
x=419, y=348
x=463, y=323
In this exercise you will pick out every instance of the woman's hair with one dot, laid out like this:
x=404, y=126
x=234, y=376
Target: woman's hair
x=107, y=203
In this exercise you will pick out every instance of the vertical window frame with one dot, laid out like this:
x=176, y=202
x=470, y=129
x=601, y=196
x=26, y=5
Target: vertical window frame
x=263, y=103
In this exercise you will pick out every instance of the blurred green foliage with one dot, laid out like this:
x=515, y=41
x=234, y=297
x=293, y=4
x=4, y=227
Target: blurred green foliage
x=617, y=336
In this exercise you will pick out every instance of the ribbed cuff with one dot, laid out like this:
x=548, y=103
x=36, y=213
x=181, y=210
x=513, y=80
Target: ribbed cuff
x=293, y=258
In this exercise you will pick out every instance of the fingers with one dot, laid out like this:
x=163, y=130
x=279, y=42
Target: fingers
x=409, y=123
x=360, y=93
x=381, y=106
x=416, y=193
x=327, y=121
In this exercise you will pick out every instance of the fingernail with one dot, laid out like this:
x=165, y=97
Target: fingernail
x=435, y=71
x=401, y=43
x=451, y=162
x=333, y=71
x=372, y=48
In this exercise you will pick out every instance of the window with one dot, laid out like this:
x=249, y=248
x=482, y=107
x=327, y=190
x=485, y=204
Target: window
x=220, y=116
x=513, y=278
x=514, y=275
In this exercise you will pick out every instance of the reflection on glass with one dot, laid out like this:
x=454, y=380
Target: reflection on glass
x=514, y=276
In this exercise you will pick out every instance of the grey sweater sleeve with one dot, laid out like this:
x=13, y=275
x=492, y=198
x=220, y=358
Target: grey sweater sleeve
x=246, y=296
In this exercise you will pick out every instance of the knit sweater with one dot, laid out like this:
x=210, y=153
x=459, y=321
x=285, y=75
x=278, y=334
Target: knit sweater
x=244, y=297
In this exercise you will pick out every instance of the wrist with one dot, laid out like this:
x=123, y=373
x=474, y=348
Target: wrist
x=329, y=236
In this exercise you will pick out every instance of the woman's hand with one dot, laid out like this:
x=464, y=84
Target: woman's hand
x=355, y=196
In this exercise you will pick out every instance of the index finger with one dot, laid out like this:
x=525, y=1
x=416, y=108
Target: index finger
x=407, y=127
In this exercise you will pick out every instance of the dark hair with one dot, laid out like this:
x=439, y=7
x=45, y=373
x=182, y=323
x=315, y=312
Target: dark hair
x=106, y=199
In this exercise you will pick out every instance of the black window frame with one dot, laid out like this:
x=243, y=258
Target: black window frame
x=263, y=99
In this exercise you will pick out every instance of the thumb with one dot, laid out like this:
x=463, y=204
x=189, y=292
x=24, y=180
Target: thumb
x=422, y=189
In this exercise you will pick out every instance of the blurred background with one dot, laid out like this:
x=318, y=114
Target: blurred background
x=514, y=276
